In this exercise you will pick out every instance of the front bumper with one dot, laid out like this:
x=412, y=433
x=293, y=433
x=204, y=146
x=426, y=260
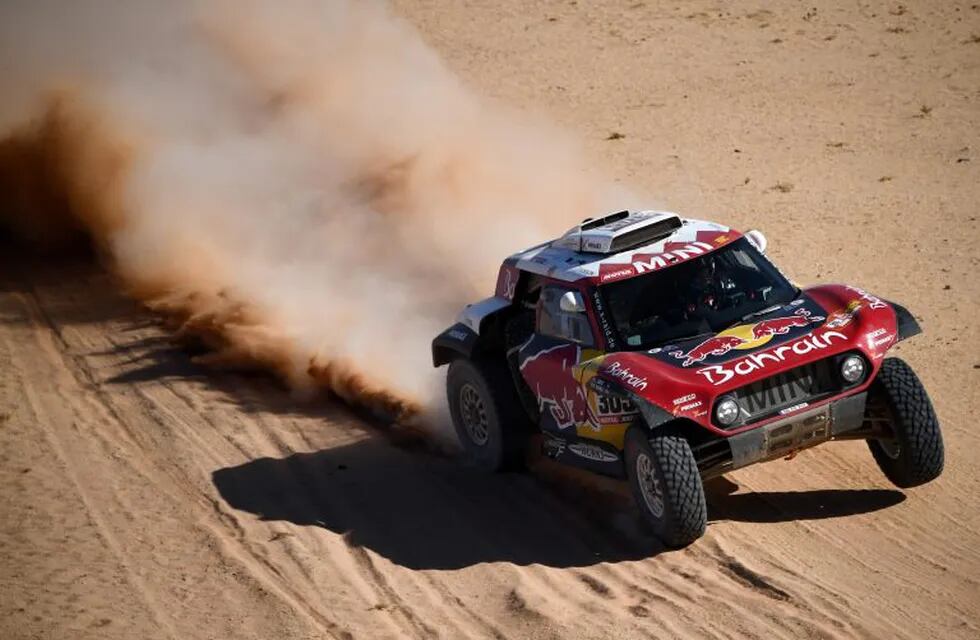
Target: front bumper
x=800, y=431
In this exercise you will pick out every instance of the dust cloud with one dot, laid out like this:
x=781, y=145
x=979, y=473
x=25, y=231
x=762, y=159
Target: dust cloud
x=304, y=184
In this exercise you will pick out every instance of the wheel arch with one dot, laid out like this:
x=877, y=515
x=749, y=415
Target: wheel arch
x=478, y=330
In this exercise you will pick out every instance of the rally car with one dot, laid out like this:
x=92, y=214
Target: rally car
x=668, y=351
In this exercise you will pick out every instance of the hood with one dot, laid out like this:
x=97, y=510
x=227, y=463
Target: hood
x=686, y=377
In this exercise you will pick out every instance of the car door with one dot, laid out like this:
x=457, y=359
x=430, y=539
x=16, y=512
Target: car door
x=549, y=360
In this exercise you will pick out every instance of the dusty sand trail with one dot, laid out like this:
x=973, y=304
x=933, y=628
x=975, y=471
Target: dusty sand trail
x=146, y=497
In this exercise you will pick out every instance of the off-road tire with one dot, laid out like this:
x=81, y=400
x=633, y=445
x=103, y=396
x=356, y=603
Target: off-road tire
x=915, y=455
x=506, y=424
x=683, y=515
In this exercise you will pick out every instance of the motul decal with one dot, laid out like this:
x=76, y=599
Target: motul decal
x=617, y=274
x=719, y=374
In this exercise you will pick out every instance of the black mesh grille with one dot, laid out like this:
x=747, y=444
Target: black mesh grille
x=805, y=383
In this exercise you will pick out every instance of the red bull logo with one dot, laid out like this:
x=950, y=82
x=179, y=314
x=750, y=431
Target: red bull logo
x=550, y=373
x=715, y=346
x=781, y=326
x=746, y=336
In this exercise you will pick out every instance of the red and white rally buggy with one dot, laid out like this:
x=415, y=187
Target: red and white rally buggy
x=668, y=351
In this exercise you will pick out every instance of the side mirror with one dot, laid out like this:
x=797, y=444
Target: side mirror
x=571, y=302
x=757, y=239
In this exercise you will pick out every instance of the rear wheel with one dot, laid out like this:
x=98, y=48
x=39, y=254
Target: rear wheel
x=490, y=423
x=912, y=454
x=666, y=485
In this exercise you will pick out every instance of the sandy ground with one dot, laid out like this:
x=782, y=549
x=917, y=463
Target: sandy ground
x=145, y=497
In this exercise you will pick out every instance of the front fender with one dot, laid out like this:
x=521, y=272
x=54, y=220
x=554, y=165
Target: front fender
x=908, y=326
x=653, y=415
x=458, y=341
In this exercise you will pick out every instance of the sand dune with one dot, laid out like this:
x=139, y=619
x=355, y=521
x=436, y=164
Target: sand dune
x=145, y=496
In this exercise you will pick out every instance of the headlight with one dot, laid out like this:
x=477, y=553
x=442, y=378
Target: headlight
x=852, y=368
x=726, y=411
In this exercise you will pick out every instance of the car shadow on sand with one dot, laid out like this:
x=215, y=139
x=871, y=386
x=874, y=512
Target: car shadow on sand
x=783, y=506
x=424, y=511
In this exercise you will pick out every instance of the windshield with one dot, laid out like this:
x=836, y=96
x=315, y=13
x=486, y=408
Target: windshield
x=702, y=295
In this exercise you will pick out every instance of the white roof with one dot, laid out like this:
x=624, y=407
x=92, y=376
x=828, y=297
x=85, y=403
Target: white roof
x=556, y=260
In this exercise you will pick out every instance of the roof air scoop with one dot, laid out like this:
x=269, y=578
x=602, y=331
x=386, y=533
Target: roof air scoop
x=619, y=231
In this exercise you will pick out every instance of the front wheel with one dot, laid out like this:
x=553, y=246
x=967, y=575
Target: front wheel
x=912, y=453
x=489, y=420
x=666, y=485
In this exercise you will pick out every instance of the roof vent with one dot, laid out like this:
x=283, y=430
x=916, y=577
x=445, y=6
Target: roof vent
x=619, y=231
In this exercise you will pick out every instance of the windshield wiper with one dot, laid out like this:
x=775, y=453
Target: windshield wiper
x=760, y=312
x=693, y=336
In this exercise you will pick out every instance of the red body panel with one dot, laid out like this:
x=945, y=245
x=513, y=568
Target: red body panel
x=855, y=321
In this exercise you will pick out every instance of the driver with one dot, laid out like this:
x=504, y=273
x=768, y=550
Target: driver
x=704, y=292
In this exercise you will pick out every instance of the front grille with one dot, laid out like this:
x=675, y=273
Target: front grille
x=768, y=396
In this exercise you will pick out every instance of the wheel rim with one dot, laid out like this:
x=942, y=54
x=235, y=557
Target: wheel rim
x=890, y=447
x=474, y=414
x=650, y=488
x=883, y=419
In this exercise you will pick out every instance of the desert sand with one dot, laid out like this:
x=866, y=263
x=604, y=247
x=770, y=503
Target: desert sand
x=145, y=496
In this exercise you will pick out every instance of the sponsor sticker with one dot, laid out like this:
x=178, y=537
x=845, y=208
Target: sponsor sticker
x=603, y=319
x=873, y=301
x=882, y=341
x=684, y=399
x=618, y=371
x=592, y=452
x=794, y=408
x=554, y=447
x=719, y=374
x=617, y=274
x=843, y=317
